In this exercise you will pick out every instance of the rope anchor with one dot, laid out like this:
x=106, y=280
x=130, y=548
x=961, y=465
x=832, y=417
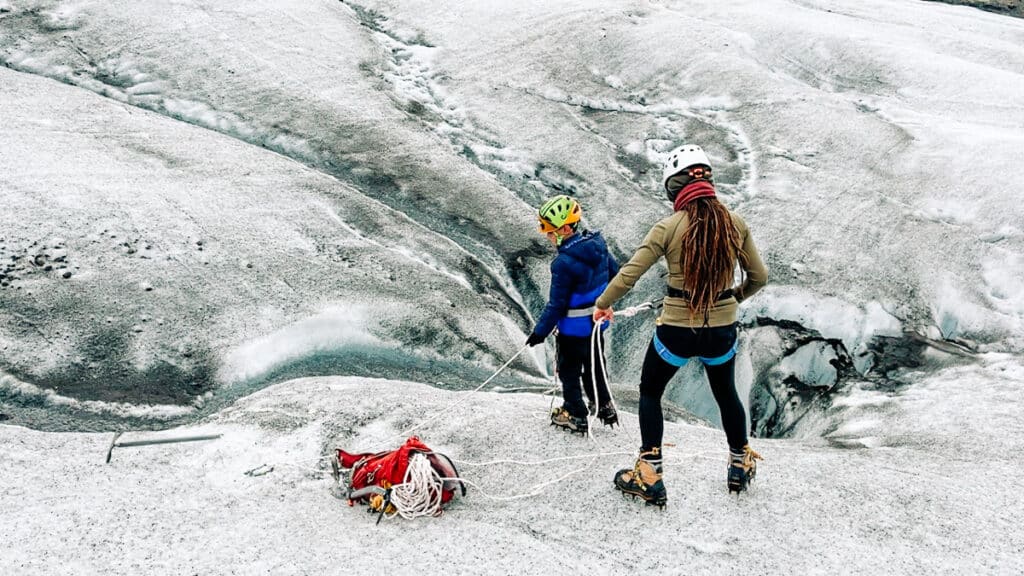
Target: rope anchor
x=261, y=470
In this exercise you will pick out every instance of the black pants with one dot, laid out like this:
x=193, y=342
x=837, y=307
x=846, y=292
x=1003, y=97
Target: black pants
x=691, y=343
x=574, y=354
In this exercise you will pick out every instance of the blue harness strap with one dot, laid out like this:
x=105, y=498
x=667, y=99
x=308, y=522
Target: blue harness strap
x=666, y=354
x=679, y=361
x=720, y=359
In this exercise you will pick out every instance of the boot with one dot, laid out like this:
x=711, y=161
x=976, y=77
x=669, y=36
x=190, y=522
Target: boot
x=560, y=417
x=608, y=415
x=742, y=468
x=644, y=479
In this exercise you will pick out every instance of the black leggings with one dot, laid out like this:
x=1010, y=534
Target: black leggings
x=688, y=343
x=574, y=354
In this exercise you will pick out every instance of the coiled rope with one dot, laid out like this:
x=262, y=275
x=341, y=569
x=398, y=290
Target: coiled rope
x=419, y=494
x=597, y=344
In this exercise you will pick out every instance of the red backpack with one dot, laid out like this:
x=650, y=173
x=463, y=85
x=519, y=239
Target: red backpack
x=371, y=475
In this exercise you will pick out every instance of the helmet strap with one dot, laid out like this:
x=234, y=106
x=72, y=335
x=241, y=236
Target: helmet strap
x=559, y=237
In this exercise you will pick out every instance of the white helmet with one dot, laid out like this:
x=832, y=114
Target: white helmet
x=682, y=158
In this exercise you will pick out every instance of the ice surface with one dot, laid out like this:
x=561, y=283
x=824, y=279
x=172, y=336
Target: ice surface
x=908, y=498
x=199, y=195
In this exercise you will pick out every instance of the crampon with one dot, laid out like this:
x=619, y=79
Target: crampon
x=608, y=415
x=561, y=418
x=643, y=480
x=742, y=469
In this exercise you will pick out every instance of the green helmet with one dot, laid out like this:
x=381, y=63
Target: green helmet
x=558, y=212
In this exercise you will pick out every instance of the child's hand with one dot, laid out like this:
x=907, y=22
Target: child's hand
x=534, y=339
x=603, y=314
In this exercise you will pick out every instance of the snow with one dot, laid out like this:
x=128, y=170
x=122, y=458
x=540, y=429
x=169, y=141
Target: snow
x=908, y=503
x=201, y=201
x=328, y=330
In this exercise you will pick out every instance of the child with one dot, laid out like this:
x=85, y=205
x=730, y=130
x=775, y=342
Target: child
x=579, y=274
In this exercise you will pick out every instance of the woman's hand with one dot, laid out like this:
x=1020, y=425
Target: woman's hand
x=603, y=314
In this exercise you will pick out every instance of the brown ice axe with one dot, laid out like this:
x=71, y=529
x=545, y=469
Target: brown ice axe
x=124, y=443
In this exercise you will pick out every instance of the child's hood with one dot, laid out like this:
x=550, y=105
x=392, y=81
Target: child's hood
x=587, y=247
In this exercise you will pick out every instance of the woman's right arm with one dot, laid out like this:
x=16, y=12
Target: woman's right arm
x=645, y=256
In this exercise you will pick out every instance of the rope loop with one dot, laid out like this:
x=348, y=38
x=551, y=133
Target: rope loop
x=420, y=492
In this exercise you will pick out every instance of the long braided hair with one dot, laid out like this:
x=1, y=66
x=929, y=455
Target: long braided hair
x=710, y=245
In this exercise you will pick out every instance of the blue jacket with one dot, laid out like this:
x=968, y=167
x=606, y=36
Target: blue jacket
x=579, y=274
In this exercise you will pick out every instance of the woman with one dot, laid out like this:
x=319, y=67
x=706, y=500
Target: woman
x=701, y=241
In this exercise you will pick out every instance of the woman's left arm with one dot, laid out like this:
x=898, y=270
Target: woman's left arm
x=755, y=272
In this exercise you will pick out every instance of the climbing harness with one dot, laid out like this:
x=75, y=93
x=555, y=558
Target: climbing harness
x=680, y=361
x=666, y=354
x=677, y=293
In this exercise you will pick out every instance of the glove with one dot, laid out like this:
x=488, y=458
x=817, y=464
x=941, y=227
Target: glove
x=534, y=339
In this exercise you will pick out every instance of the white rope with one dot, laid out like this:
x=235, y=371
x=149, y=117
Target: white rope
x=534, y=490
x=627, y=312
x=597, y=342
x=405, y=434
x=421, y=490
x=634, y=310
x=537, y=489
x=594, y=339
x=677, y=459
x=539, y=462
x=419, y=494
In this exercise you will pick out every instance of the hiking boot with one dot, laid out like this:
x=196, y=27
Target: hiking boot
x=742, y=468
x=644, y=479
x=608, y=415
x=560, y=417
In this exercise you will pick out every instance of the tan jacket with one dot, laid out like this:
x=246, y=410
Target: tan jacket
x=666, y=239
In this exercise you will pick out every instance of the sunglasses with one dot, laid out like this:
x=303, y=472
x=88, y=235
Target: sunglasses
x=545, y=227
